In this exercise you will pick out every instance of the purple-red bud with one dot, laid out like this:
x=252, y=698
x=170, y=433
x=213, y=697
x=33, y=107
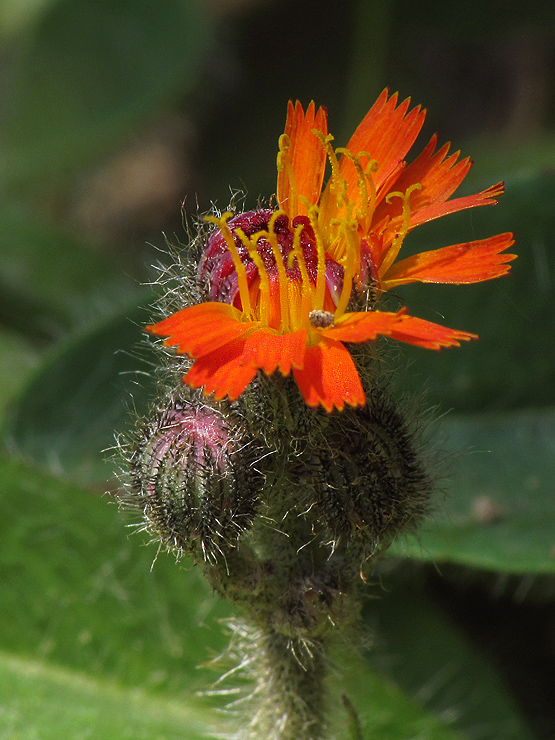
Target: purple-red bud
x=191, y=477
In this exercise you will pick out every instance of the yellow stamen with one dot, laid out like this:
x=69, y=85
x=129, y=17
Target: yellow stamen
x=242, y=281
x=372, y=166
x=338, y=183
x=252, y=245
x=284, y=164
x=346, y=226
x=282, y=275
x=350, y=263
x=295, y=301
x=306, y=285
x=362, y=212
x=343, y=240
x=297, y=253
x=319, y=295
x=397, y=243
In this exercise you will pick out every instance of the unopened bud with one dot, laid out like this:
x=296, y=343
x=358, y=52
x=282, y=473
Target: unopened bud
x=369, y=483
x=191, y=477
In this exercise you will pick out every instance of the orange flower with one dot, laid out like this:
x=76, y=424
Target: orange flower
x=280, y=282
x=372, y=190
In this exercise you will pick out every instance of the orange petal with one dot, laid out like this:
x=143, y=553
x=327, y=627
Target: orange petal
x=329, y=377
x=439, y=175
x=200, y=329
x=387, y=133
x=228, y=370
x=222, y=372
x=270, y=351
x=361, y=326
x=487, y=197
x=427, y=334
x=307, y=157
x=471, y=262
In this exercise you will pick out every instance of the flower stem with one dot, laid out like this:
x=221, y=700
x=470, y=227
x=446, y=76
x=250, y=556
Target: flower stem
x=283, y=507
x=289, y=688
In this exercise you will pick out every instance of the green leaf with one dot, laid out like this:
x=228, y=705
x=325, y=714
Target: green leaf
x=80, y=591
x=430, y=658
x=86, y=618
x=499, y=508
x=513, y=363
x=68, y=414
x=51, y=281
x=382, y=709
x=15, y=15
x=17, y=360
x=43, y=702
x=92, y=70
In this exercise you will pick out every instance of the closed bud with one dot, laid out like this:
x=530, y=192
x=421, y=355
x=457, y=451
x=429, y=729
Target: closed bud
x=191, y=476
x=369, y=482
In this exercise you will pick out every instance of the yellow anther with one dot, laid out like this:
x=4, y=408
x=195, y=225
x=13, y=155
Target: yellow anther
x=326, y=140
x=371, y=167
x=397, y=243
x=343, y=241
x=362, y=212
x=307, y=290
x=284, y=143
x=294, y=296
x=372, y=164
x=242, y=282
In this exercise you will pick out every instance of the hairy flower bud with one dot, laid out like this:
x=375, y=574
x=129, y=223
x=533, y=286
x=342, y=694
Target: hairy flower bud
x=190, y=476
x=368, y=483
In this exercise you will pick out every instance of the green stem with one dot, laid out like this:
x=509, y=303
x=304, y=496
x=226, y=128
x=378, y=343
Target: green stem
x=289, y=688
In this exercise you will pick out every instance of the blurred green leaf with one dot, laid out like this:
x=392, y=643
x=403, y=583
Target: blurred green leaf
x=431, y=659
x=500, y=499
x=78, y=595
x=43, y=702
x=69, y=412
x=81, y=591
x=16, y=15
x=513, y=362
x=17, y=360
x=383, y=709
x=51, y=281
x=92, y=70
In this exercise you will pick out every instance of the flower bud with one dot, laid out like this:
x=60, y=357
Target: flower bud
x=191, y=477
x=369, y=483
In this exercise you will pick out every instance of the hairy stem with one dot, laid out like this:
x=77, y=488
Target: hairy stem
x=289, y=692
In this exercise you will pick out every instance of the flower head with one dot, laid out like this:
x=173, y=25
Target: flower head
x=280, y=282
